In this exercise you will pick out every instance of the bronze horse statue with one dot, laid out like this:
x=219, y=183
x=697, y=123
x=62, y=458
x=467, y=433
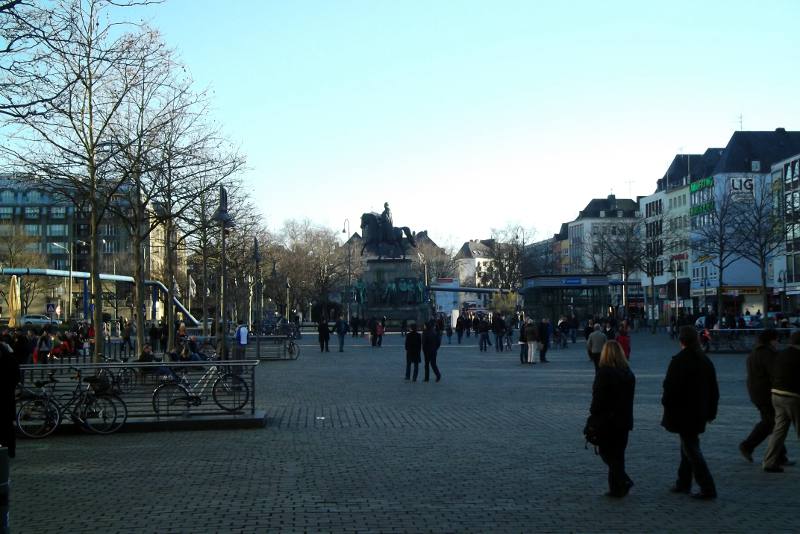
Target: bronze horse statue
x=375, y=235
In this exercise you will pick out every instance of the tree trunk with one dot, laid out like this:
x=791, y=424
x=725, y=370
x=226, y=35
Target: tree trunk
x=97, y=288
x=765, y=302
x=169, y=275
x=138, y=291
x=205, y=290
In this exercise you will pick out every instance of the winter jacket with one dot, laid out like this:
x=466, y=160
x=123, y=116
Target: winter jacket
x=691, y=393
x=759, y=374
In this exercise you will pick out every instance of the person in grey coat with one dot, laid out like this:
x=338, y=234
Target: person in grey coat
x=594, y=345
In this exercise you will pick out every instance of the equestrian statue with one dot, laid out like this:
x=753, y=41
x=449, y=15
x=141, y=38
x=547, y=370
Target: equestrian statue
x=381, y=237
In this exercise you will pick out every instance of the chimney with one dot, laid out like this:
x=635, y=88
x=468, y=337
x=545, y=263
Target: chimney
x=780, y=130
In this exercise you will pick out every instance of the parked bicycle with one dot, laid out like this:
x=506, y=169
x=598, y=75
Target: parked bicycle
x=292, y=349
x=176, y=396
x=91, y=407
x=122, y=379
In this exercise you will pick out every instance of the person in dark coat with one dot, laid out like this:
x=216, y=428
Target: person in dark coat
x=155, y=336
x=523, y=345
x=9, y=378
x=544, y=339
x=430, y=346
x=759, y=383
x=413, y=348
x=612, y=405
x=324, y=335
x=786, y=401
x=690, y=400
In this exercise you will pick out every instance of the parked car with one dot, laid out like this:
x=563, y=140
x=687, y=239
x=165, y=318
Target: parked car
x=38, y=320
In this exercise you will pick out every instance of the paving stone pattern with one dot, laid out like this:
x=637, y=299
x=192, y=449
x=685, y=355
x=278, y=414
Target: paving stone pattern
x=351, y=447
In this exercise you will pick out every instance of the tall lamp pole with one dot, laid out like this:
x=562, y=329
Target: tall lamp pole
x=257, y=259
x=782, y=279
x=69, y=251
x=346, y=231
x=225, y=223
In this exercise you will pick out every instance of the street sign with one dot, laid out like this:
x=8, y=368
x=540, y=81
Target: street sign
x=51, y=308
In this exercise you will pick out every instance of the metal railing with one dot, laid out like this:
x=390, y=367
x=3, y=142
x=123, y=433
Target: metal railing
x=741, y=339
x=157, y=390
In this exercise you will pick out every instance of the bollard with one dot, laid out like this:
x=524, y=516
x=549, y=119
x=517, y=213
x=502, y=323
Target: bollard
x=5, y=491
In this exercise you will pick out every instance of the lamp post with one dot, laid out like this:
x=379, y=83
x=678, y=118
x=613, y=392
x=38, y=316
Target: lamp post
x=675, y=270
x=114, y=270
x=346, y=231
x=257, y=260
x=782, y=279
x=225, y=223
x=288, y=287
x=69, y=284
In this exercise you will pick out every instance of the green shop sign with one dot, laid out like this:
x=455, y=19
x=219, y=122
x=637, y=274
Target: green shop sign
x=701, y=184
x=702, y=208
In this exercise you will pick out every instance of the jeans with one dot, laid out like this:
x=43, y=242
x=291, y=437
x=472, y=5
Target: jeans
x=762, y=430
x=694, y=465
x=543, y=351
x=484, y=341
x=787, y=412
x=459, y=334
x=532, y=346
x=572, y=333
x=341, y=342
x=498, y=342
x=523, y=353
x=323, y=345
x=612, y=451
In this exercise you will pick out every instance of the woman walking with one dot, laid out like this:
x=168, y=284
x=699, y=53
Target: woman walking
x=612, y=410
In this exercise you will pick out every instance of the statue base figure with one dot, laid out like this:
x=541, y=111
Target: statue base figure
x=391, y=288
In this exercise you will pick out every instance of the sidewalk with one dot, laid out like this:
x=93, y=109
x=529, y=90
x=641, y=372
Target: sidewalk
x=351, y=446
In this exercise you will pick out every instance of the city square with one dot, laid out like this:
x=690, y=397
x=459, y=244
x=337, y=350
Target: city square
x=496, y=446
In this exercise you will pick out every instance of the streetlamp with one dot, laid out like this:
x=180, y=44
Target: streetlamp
x=225, y=223
x=676, y=268
x=346, y=231
x=259, y=312
x=288, y=287
x=69, y=285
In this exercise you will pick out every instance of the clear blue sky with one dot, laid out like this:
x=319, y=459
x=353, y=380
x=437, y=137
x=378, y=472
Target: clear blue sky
x=469, y=115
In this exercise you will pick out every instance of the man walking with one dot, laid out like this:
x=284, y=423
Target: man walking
x=690, y=400
x=545, y=331
x=413, y=347
x=785, y=400
x=341, y=331
x=759, y=386
x=240, y=347
x=594, y=344
x=430, y=346
x=499, y=329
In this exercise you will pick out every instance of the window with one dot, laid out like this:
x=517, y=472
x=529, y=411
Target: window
x=7, y=196
x=57, y=248
x=32, y=230
x=56, y=230
x=31, y=213
x=33, y=196
x=6, y=213
x=58, y=212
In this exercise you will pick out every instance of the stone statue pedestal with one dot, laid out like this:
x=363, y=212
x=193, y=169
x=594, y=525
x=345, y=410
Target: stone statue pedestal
x=393, y=289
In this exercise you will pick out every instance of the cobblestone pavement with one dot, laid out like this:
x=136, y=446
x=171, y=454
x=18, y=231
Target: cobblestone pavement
x=350, y=446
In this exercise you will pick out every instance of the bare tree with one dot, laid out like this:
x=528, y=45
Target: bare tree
x=440, y=263
x=716, y=239
x=20, y=250
x=92, y=67
x=759, y=220
x=506, y=254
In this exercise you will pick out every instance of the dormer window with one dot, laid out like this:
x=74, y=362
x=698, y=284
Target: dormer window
x=755, y=166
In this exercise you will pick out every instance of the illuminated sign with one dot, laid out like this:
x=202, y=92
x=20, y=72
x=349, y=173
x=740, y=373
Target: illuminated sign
x=700, y=209
x=702, y=184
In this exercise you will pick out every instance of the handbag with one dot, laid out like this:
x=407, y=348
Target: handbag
x=595, y=429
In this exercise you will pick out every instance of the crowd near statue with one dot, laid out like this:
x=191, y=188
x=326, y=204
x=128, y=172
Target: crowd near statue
x=381, y=237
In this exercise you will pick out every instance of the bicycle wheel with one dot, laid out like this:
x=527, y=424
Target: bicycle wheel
x=292, y=350
x=230, y=392
x=122, y=414
x=170, y=399
x=126, y=379
x=99, y=414
x=37, y=418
